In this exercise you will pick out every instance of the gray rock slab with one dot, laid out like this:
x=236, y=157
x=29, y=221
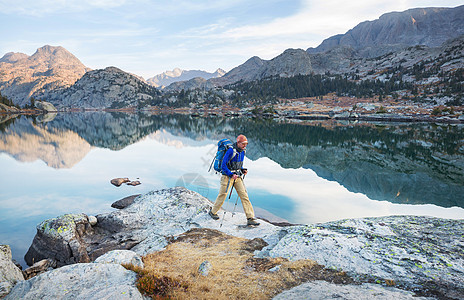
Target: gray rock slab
x=80, y=281
x=415, y=252
x=10, y=274
x=322, y=290
x=121, y=257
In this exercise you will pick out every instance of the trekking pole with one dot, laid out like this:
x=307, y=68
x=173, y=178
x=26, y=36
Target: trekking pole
x=236, y=200
x=224, y=215
x=232, y=189
x=212, y=163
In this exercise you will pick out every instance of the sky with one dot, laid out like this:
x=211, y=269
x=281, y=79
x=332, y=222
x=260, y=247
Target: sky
x=149, y=37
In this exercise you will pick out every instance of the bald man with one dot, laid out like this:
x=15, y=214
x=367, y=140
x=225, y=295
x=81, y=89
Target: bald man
x=232, y=169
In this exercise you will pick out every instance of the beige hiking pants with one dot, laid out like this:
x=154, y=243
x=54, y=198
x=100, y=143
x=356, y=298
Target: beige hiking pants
x=242, y=193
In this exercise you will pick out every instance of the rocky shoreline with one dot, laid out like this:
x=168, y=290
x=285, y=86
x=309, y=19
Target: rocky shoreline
x=397, y=256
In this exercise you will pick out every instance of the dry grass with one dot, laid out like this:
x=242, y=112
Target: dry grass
x=235, y=274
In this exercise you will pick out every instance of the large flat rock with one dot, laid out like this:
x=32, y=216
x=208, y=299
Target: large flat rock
x=419, y=254
x=80, y=281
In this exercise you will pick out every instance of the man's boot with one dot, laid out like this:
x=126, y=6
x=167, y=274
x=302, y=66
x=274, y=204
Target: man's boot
x=252, y=222
x=214, y=216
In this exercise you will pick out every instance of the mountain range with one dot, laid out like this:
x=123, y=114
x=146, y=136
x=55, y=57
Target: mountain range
x=164, y=79
x=370, y=49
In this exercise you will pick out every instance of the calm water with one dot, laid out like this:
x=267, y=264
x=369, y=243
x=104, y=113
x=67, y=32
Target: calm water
x=303, y=173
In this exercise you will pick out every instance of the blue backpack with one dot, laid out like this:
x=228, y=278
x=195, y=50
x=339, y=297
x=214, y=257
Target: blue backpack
x=223, y=146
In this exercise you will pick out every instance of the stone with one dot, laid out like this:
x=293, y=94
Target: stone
x=67, y=239
x=118, y=181
x=121, y=257
x=39, y=268
x=124, y=202
x=93, y=220
x=319, y=290
x=10, y=274
x=134, y=183
x=275, y=269
x=80, y=281
x=204, y=268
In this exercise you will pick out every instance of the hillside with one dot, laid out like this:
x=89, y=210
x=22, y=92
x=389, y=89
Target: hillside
x=396, y=30
x=49, y=68
x=107, y=88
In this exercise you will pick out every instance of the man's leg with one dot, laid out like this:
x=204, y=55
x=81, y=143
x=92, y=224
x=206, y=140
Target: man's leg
x=247, y=207
x=223, y=190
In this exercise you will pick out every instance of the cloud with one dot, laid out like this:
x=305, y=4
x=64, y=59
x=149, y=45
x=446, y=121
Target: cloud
x=39, y=8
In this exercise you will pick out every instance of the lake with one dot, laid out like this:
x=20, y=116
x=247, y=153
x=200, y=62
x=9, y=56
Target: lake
x=300, y=172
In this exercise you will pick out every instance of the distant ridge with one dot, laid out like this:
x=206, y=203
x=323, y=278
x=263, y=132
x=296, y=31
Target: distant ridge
x=396, y=30
x=164, y=79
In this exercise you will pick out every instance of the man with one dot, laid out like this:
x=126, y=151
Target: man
x=232, y=169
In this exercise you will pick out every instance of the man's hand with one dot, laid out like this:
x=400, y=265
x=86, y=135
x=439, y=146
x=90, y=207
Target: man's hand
x=235, y=176
x=244, y=171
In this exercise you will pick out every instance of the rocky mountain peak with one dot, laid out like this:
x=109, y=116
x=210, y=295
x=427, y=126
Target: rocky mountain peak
x=12, y=57
x=395, y=30
x=49, y=68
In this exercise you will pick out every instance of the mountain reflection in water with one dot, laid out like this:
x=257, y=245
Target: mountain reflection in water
x=304, y=173
x=409, y=164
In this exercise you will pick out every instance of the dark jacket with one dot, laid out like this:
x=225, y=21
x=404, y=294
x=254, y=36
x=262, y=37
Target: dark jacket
x=236, y=163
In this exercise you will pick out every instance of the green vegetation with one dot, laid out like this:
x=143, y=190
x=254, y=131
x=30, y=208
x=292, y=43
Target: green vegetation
x=316, y=85
x=6, y=101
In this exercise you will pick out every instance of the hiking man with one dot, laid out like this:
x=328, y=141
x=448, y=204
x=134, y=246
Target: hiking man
x=232, y=170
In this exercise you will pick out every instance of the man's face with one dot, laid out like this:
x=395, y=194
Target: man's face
x=242, y=144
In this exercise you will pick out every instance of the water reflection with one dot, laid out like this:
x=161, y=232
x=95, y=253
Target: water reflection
x=411, y=164
x=303, y=173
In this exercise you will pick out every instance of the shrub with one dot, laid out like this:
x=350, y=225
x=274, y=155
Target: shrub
x=154, y=286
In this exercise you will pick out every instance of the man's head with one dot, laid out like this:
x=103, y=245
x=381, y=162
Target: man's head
x=242, y=142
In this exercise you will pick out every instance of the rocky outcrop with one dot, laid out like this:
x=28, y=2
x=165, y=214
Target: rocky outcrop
x=121, y=257
x=107, y=88
x=71, y=239
x=393, y=31
x=49, y=68
x=8, y=109
x=10, y=274
x=165, y=79
x=80, y=281
x=418, y=254
x=45, y=106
